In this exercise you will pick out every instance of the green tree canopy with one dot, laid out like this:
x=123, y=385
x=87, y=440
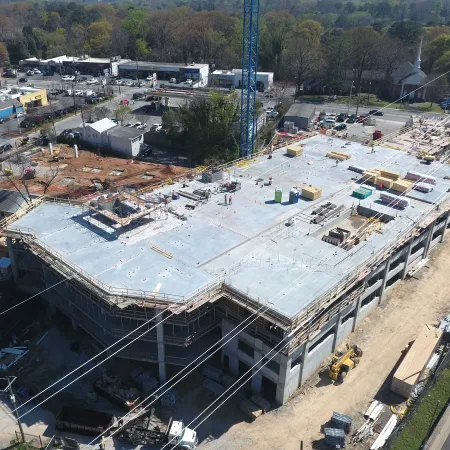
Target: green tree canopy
x=207, y=125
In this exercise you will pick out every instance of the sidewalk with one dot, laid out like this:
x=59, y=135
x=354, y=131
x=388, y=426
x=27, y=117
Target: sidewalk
x=440, y=438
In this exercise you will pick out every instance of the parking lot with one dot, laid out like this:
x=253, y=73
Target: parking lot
x=57, y=88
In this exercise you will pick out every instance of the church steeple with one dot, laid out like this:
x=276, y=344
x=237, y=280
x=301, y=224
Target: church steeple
x=418, y=60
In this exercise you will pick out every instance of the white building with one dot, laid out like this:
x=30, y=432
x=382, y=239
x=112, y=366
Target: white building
x=198, y=73
x=126, y=140
x=70, y=64
x=96, y=133
x=228, y=78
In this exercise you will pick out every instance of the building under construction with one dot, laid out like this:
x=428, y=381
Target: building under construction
x=295, y=237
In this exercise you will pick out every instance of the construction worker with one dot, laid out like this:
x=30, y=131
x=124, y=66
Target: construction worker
x=103, y=443
x=229, y=201
x=226, y=199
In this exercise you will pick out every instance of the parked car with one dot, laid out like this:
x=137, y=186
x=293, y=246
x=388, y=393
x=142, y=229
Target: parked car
x=376, y=112
x=129, y=83
x=60, y=113
x=341, y=117
x=37, y=72
x=30, y=73
x=361, y=119
x=23, y=80
x=138, y=96
x=149, y=78
x=340, y=127
x=188, y=81
x=352, y=119
x=156, y=127
x=92, y=81
x=5, y=147
x=4, y=119
x=173, y=80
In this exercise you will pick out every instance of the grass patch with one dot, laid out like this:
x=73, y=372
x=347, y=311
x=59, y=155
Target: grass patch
x=416, y=430
x=371, y=101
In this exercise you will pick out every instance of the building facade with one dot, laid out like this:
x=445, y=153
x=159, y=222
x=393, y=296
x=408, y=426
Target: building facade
x=126, y=141
x=208, y=279
x=198, y=73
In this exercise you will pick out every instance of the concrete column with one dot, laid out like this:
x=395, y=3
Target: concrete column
x=357, y=309
x=429, y=238
x=283, y=393
x=12, y=257
x=257, y=376
x=336, y=331
x=444, y=229
x=385, y=275
x=408, y=255
x=160, y=343
x=303, y=361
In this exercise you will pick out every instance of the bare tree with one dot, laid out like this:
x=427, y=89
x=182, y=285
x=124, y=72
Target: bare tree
x=142, y=118
x=303, y=54
x=51, y=175
x=122, y=113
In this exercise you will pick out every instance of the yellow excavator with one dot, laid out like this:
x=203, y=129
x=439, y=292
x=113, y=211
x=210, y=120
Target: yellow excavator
x=343, y=362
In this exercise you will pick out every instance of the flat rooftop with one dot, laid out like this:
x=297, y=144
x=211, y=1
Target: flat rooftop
x=249, y=243
x=144, y=65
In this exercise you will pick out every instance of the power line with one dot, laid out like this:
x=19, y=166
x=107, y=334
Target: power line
x=102, y=352
x=202, y=355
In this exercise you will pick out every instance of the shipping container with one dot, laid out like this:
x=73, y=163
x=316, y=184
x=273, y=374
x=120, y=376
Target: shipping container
x=408, y=373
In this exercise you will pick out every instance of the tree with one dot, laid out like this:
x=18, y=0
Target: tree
x=437, y=48
x=408, y=32
x=207, y=126
x=121, y=113
x=437, y=89
x=279, y=26
x=4, y=55
x=303, y=52
x=98, y=39
x=363, y=44
x=391, y=53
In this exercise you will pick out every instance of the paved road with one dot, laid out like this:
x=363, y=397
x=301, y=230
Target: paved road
x=125, y=92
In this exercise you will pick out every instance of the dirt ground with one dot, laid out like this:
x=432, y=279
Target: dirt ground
x=76, y=176
x=383, y=336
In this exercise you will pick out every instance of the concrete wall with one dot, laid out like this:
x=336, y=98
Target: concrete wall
x=126, y=146
x=293, y=370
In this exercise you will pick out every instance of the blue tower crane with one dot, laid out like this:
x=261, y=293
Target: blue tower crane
x=249, y=114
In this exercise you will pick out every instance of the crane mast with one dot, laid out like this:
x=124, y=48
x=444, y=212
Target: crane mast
x=249, y=116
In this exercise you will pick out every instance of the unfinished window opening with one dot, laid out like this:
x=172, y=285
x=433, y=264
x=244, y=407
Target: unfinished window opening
x=296, y=362
x=321, y=340
x=348, y=317
x=271, y=364
x=245, y=348
x=368, y=300
x=394, y=279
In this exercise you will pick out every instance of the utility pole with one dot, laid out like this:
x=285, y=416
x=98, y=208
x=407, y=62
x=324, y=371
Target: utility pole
x=13, y=401
x=350, y=99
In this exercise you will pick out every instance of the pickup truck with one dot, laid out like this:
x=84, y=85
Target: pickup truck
x=83, y=421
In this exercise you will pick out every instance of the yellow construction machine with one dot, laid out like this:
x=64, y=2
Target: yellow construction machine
x=56, y=155
x=343, y=362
